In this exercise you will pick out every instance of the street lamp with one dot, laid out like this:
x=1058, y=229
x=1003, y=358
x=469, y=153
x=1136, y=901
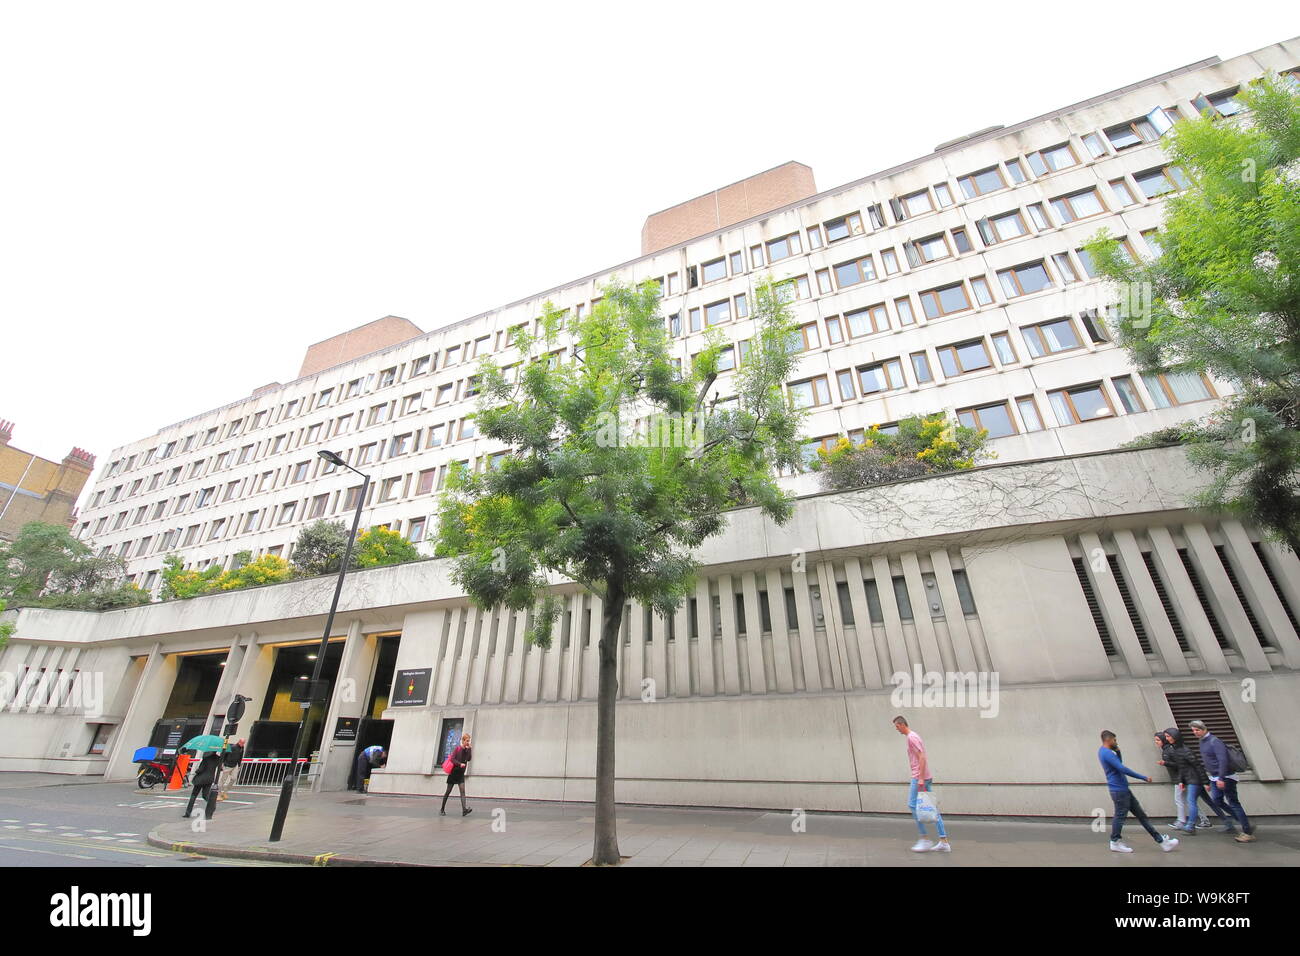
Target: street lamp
x=291, y=778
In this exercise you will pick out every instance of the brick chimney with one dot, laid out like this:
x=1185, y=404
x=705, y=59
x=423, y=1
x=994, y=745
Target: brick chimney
x=6, y=432
x=80, y=459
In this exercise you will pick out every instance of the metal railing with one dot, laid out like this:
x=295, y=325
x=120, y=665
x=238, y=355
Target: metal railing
x=270, y=771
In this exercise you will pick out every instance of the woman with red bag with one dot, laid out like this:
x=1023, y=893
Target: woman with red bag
x=455, y=766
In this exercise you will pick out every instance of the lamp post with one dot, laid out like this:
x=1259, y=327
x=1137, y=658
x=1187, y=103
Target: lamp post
x=291, y=778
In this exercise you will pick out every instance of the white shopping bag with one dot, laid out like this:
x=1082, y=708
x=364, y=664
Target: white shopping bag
x=927, y=811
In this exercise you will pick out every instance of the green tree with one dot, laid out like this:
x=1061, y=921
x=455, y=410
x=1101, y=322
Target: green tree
x=181, y=583
x=379, y=546
x=45, y=566
x=6, y=629
x=923, y=445
x=320, y=547
x=247, y=573
x=1223, y=297
x=589, y=497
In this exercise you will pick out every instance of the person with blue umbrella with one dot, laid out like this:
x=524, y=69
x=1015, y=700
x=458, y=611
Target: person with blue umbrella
x=211, y=746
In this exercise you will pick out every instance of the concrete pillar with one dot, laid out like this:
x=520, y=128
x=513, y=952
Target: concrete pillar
x=963, y=647
x=1112, y=606
x=816, y=672
x=466, y=645
x=926, y=635
x=255, y=678
x=146, y=708
x=730, y=649
x=446, y=665
x=841, y=669
x=634, y=653
x=1196, y=626
x=1223, y=598
x=225, y=692
x=782, y=659
x=884, y=578
x=659, y=653
x=753, y=634
x=1259, y=591
x=863, y=630
x=706, y=687
x=505, y=633
x=351, y=690
x=1143, y=592
x=682, y=681
x=586, y=643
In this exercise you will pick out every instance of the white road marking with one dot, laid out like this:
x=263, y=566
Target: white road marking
x=96, y=831
x=37, y=830
x=127, y=834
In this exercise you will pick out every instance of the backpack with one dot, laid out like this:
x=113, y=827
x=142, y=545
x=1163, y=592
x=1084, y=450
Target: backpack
x=1236, y=759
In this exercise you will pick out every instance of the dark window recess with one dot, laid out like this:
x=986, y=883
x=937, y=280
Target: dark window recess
x=1129, y=606
x=1166, y=603
x=693, y=619
x=740, y=614
x=963, y=591
x=1100, y=622
x=1205, y=603
x=874, y=610
x=1241, y=596
x=1268, y=570
x=692, y=277
x=846, y=601
x=670, y=627
x=791, y=610
x=904, y=602
x=1206, y=705
x=568, y=626
x=586, y=627
x=627, y=624
x=765, y=611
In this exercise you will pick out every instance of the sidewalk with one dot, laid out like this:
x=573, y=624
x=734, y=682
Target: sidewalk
x=350, y=829
x=26, y=779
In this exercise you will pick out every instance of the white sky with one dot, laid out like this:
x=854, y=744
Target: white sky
x=191, y=194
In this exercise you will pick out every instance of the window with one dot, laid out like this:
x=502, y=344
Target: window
x=1017, y=171
x=278, y=444
x=1128, y=396
x=351, y=498
x=1094, y=326
x=881, y=376
x=783, y=248
x=424, y=481
x=354, y=388
x=921, y=367
x=905, y=314
x=482, y=346
x=287, y=512
x=824, y=286
x=1009, y=225
x=1051, y=159
x=1220, y=104
x=318, y=505
x=851, y=273
x=467, y=428
x=756, y=256
x=1176, y=388
x=811, y=392
x=981, y=182
x=158, y=510
x=720, y=312
x=1123, y=195
x=737, y=263
x=1161, y=180
x=400, y=445
x=834, y=331
x=932, y=248
x=378, y=415
x=1146, y=129
x=471, y=387
x=994, y=419
x=191, y=533
x=1022, y=280
x=963, y=357
x=1064, y=267
x=1002, y=345
x=444, y=394
x=844, y=227
x=961, y=240
x=944, y=301
x=388, y=490
x=1048, y=338
x=1089, y=267
x=418, y=367
x=866, y=321
x=1029, y=416
x=1038, y=216
x=205, y=496
x=982, y=294
x=1079, y=205
x=181, y=502
x=453, y=353
x=889, y=259
x=917, y=203
x=808, y=338
x=715, y=270
x=1094, y=145
x=415, y=530
x=1083, y=403
x=366, y=454
x=727, y=357
x=174, y=475
x=300, y=471
x=231, y=488
x=845, y=379
x=943, y=194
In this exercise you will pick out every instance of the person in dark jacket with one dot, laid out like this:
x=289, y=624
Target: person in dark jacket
x=369, y=758
x=460, y=758
x=1191, y=782
x=1223, y=782
x=230, y=761
x=203, y=779
x=1168, y=762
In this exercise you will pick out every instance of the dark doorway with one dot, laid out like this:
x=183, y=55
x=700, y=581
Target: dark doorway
x=370, y=731
x=197, y=677
x=270, y=738
x=292, y=665
x=385, y=665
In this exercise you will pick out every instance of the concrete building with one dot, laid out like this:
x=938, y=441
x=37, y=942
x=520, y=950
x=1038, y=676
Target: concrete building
x=33, y=488
x=1070, y=571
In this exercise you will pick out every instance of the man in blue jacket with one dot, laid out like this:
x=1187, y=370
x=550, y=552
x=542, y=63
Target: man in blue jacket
x=1223, y=782
x=1123, y=797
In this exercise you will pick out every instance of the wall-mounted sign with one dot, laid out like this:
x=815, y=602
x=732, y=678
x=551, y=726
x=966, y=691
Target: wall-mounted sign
x=411, y=688
x=346, y=728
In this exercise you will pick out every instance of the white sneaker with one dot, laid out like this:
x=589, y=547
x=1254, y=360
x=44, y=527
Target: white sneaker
x=1168, y=843
x=1119, y=846
x=941, y=847
x=922, y=845
x=1179, y=825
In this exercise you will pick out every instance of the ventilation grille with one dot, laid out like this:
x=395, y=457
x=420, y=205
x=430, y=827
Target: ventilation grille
x=1241, y=596
x=1100, y=622
x=1128, y=603
x=1268, y=570
x=1204, y=705
x=1166, y=603
x=1205, y=604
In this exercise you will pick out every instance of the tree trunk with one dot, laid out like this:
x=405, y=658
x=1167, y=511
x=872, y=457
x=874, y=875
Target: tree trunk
x=605, y=851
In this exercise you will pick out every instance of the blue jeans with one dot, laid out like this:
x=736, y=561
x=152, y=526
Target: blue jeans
x=1226, y=800
x=1126, y=803
x=911, y=805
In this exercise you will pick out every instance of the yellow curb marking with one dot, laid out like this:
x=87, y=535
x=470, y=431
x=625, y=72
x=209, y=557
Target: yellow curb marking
x=323, y=859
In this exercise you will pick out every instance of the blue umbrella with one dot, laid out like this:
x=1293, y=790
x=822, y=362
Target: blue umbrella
x=205, y=743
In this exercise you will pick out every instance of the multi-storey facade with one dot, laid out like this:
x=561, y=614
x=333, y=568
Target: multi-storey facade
x=1073, y=573
x=33, y=488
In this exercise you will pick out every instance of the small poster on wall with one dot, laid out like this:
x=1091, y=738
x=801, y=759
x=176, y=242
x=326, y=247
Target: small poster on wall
x=411, y=688
x=451, y=730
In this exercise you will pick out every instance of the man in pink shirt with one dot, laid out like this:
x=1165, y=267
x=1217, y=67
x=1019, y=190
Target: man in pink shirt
x=921, y=779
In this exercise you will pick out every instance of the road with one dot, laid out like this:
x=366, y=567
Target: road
x=47, y=820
